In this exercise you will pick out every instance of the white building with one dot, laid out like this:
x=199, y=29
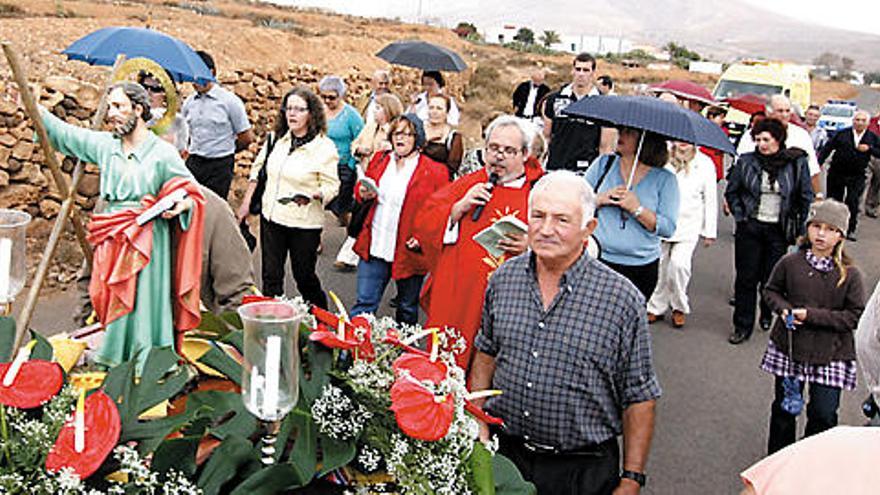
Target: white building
x=568, y=42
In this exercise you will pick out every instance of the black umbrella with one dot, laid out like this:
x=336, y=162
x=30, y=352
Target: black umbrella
x=422, y=55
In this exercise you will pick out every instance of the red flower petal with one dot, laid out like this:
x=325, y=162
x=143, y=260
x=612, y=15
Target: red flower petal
x=37, y=382
x=102, y=433
x=330, y=339
x=417, y=412
x=391, y=337
x=481, y=414
x=420, y=367
x=254, y=298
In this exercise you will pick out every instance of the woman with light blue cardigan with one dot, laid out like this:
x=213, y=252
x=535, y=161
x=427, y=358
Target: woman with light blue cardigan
x=633, y=219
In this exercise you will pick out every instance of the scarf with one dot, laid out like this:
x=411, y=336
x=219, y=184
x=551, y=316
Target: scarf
x=773, y=164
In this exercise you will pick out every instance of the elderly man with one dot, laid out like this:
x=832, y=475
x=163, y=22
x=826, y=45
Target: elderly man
x=380, y=84
x=565, y=339
x=852, y=148
x=779, y=108
x=219, y=127
x=811, y=120
x=528, y=94
x=459, y=265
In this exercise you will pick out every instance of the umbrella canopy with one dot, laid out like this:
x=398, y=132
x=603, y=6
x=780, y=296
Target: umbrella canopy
x=104, y=45
x=422, y=55
x=651, y=114
x=749, y=103
x=685, y=89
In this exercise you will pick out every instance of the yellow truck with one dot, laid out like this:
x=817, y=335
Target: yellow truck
x=764, y=78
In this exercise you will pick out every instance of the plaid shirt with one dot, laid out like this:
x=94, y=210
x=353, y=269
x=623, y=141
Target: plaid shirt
x=566, y=372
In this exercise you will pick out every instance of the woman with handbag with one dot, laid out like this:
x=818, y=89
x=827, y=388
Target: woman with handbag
x=404, y=178
x=301, y=178
x=769, y=193
x=819, y=295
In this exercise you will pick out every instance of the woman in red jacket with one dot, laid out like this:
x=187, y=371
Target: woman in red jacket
x=404, y=179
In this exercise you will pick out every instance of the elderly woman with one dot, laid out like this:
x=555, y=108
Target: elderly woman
x=444, y=143
x=344, y=123
x=764, y=187
x=633, y=217
x=405, y=178
x=697, y=217
x=373, y=138
x=300, y=178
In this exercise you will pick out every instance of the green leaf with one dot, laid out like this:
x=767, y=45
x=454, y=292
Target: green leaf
x=222, y=362
x=508, y=480
x=232, y=319
x=271, y=481
x=314, y=371
x=336, y=454
x=212, y=323
x=235, y=338
x=304, y=455
x=226, y=407
x=224, y=463
x=7, y=337
x=43, y=350
x=480, y=464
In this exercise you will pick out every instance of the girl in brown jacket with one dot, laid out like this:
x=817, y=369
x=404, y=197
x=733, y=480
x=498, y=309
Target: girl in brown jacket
x=819, y=291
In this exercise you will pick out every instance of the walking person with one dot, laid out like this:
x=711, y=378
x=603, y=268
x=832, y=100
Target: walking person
x=634, y=217
x=386, y=244
x=765, y=188
x=443, y=143
x=300, y=179
x=697, y=217
x=528, y=94
x=821, y=292
x=433, y=84
x=344, y=123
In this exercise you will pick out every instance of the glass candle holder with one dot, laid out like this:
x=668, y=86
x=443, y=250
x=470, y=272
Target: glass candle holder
x=270, y=381
x=13, y=254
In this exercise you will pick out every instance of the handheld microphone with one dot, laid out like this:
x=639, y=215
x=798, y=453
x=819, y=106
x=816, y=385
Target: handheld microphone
x=478, y=210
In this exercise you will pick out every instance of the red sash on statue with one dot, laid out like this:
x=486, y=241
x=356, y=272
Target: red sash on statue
x=122, y=250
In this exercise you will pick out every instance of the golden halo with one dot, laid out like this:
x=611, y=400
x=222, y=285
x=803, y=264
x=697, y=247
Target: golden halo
x=134, y=66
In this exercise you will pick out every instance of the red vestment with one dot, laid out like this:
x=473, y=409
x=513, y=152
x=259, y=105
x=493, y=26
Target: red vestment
x=453, y=294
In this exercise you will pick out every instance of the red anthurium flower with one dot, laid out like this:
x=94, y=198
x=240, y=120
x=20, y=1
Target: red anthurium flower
x=37, y=381
x=420, y=367
x=101, y=434
x=392, y=338
x=254, y=298
x=481, y=414
x=419, y=413
x=327, y=335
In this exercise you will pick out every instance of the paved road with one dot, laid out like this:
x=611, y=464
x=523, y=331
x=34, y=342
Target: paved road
x=712, y=420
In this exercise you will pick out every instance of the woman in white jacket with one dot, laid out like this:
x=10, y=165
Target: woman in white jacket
x=697, y=217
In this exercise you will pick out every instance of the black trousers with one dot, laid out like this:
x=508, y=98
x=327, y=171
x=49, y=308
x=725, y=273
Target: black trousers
x=344, y=201
x=594, y=471
x=757, y=248
x=847, y=189
x=277, y=242
x=213, y=173
x=644, y=277
x=821, y=415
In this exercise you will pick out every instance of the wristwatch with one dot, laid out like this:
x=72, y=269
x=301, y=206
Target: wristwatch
x=639, y=478
x=639, y=211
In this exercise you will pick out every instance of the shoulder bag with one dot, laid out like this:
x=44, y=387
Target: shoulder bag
x=256, y=205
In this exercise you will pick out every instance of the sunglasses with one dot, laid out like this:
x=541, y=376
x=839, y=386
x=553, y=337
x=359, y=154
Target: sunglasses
x=154, y=88
x=329, y=97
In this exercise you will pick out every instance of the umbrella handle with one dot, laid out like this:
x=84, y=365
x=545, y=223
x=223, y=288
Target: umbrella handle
x=632, y=172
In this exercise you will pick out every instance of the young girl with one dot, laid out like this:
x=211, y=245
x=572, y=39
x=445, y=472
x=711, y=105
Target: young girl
x=819, y=291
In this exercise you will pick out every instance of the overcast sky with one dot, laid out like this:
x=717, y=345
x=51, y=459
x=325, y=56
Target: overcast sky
x=857, y=15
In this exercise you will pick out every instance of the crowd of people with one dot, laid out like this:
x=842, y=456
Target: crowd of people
x=556, y=313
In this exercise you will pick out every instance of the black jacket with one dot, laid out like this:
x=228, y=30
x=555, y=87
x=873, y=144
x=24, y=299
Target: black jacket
x=847, y=159
x=521, y=97
x=744, y=186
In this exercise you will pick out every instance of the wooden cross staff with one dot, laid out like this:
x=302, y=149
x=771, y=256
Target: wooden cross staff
x=67, y=193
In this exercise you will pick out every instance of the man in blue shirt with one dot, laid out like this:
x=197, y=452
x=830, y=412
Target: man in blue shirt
x=219, y=127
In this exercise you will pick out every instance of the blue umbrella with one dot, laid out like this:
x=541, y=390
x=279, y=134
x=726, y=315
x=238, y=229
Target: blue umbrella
x=422, y=55
x=655, y=115
x=104, y=45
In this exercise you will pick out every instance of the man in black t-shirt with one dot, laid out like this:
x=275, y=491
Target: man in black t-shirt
x=574, y=141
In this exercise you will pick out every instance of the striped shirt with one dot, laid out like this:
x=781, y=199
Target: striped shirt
x=566, y=372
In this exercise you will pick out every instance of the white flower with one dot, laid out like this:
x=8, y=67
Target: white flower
x=337, y=416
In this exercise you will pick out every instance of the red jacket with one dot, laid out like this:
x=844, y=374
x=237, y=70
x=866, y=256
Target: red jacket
x=429, y=176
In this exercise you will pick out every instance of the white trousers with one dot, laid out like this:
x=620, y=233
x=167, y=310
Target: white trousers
x=346, y=253
x=673, y=278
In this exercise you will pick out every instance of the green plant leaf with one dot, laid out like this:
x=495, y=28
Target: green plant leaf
x=271, y=481
x=224, y=463
x=508, y=480
x=314, y=371
x=180, y=453
x=304, y=455
x=480, y=464
x=7, y=338
x=235, y=338
x=213, y=324
x=43, y=350
x=335, y=453
x=226, y=408
x=232, y=319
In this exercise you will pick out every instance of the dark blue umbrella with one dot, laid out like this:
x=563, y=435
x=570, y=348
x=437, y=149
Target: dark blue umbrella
x=104, y=45
x=422, y=55
x=655, y=115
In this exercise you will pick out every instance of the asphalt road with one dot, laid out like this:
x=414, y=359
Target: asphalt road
x=713, y=417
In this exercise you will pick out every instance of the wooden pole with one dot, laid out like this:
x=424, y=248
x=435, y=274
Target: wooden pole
x=69, y=195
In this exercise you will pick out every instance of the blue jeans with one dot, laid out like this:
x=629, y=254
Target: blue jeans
x=372, y=277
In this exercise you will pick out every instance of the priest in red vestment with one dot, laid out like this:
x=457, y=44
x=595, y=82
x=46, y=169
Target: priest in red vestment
x=460, y=267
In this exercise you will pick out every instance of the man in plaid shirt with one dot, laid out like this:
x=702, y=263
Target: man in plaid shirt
x=565, y=339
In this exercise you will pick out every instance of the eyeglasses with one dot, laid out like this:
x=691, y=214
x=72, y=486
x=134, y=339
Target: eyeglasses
x=329, y=97
x=297, y=109
x=403, y=134
x=505, y=151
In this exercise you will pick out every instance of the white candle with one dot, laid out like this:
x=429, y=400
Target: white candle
x=79, y=424
x=273, y=373
x=256, y=386
x=5, y=268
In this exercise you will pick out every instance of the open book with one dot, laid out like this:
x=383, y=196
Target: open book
x=489, y=237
